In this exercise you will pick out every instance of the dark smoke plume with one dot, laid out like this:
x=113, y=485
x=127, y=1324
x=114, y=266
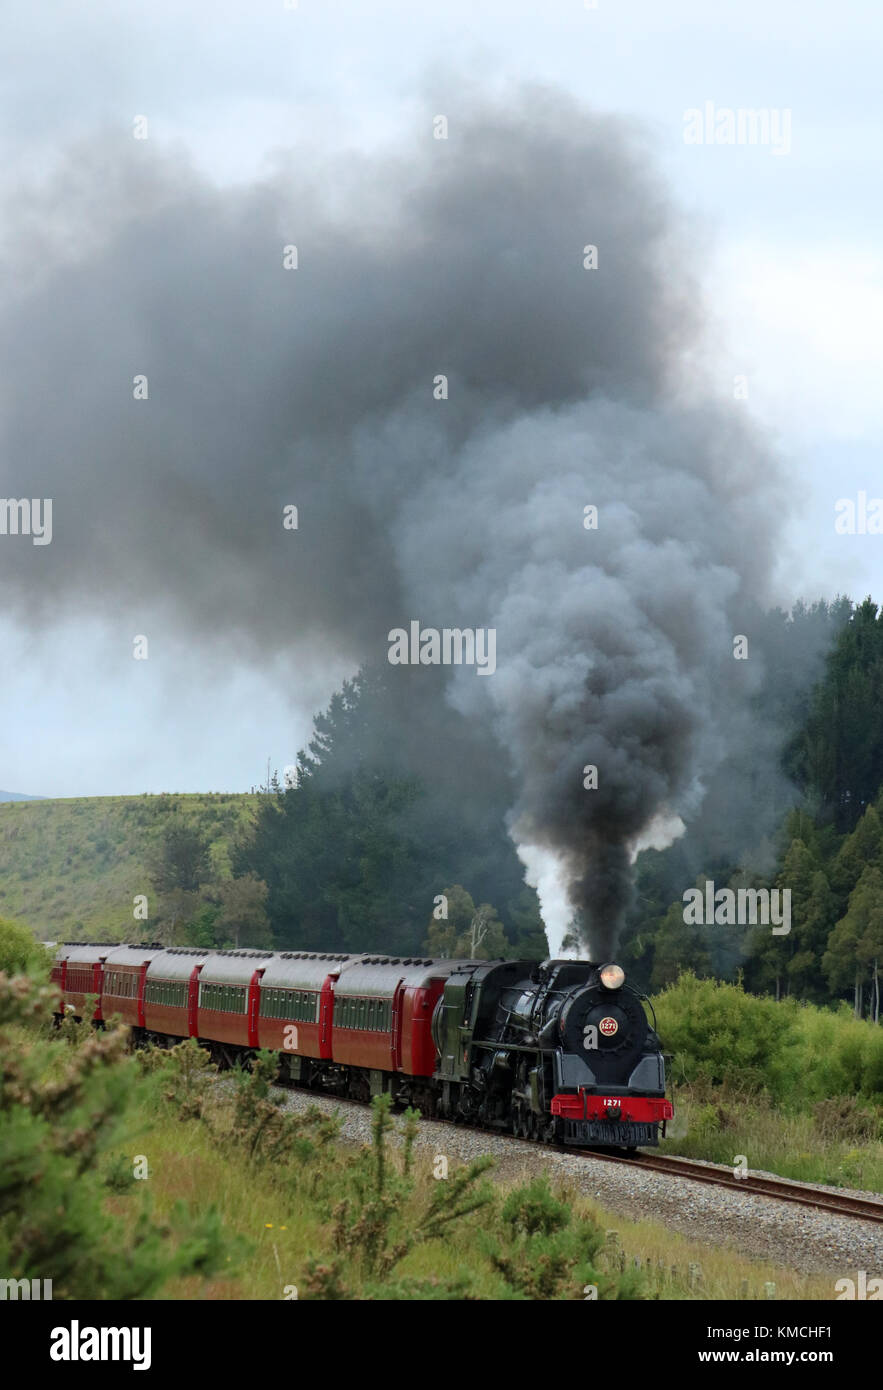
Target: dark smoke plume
x=567, y=387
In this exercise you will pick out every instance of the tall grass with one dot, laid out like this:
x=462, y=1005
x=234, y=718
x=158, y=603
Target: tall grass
x=833, y=1142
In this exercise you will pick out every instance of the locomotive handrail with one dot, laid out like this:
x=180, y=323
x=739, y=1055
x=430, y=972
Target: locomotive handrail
x=645, y=999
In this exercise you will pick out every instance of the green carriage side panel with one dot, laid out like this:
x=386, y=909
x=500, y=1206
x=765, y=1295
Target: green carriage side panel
x=453, y=1033
x=472, y=993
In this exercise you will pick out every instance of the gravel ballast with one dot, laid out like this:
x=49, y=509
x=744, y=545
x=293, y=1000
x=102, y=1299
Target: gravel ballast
x=808, y=1241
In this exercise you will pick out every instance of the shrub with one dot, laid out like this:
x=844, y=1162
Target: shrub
x=540, y=1252
x=184, y=1073
x=798, y=1053
x=20, y=953
x=722, y=1035
x=62, y=1114
x=841, y=1117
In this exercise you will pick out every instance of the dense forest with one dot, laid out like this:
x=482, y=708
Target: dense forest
x=827, y=847
x=376, y=830
x=383, y=840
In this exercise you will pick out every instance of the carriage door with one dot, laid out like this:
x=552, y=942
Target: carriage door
x=398, y=999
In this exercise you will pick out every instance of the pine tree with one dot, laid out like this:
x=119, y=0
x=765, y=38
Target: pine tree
x=811, y=932
x=356, y=852
x=679, y=946
x=853, y=942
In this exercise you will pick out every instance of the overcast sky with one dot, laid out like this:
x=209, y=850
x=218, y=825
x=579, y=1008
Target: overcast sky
x=792, y=279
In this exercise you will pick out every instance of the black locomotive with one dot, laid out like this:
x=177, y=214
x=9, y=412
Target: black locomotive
x=563, y=1051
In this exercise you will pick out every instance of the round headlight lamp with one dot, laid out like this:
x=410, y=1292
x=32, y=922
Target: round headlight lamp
x=612, y=976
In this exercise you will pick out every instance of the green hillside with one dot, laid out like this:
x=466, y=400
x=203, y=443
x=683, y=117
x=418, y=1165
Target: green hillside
x=70, y=868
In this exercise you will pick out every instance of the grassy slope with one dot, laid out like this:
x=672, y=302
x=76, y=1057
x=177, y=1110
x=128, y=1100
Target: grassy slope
x=282, y=1235
x=283, y=1226
x=70, y=869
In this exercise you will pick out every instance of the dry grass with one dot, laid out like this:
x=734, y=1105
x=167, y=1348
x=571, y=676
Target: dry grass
x=810, y=1145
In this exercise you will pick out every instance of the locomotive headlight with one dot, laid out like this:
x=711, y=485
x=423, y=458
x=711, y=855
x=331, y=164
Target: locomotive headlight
x=612, y=976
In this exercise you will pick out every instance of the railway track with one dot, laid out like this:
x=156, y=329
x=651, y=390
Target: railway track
x=780, y=1189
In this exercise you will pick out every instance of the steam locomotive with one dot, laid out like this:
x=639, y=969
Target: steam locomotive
x=561, y=1051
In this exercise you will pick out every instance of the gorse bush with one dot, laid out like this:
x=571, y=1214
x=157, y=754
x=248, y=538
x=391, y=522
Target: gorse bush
x=529, y=1240
x=532, y=1210
x=838, y=1054
x=268, y=1134
x=798, y=1053
x=378, y=1222
x=184, y=1074
x=720, y=1034
x=541, y=1253
x=380, y=1205
x=64, y=1113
